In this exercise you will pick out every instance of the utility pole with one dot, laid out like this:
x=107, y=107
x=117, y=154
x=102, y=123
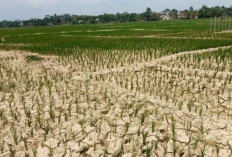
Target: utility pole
x=225, y=22
x=229, y=25
x=215, y=23
x=211, y=24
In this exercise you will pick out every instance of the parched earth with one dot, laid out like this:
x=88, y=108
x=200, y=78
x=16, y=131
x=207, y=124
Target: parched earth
x=144, y=109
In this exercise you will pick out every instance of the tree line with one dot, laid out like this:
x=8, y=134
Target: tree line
x=148, y=15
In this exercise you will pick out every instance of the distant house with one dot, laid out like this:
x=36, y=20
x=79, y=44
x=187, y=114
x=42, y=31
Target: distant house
x=166, y=17
x=50, y=24
x=21, y=24
x=80, y=21
x=97, y=20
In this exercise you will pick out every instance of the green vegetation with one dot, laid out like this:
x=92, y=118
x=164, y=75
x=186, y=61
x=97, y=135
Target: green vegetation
x=31, y=58
x=148, y=15
x=145, y=89
x=165, y=36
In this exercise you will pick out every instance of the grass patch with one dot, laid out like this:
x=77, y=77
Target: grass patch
x=32, y=58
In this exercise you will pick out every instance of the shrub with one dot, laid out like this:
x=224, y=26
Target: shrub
x=31, y=58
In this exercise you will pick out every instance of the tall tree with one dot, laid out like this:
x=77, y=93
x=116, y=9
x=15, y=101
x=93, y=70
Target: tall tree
x=204, y=12
x=173, y=14
x=191, y=9
x=148, y=14
x=166, y=11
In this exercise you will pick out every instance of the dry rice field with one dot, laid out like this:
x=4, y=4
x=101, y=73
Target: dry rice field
x=177, y=104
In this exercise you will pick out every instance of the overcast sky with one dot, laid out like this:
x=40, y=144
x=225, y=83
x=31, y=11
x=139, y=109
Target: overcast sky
x=26, y=9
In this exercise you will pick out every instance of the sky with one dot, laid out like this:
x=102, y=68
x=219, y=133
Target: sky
x=26, y=9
